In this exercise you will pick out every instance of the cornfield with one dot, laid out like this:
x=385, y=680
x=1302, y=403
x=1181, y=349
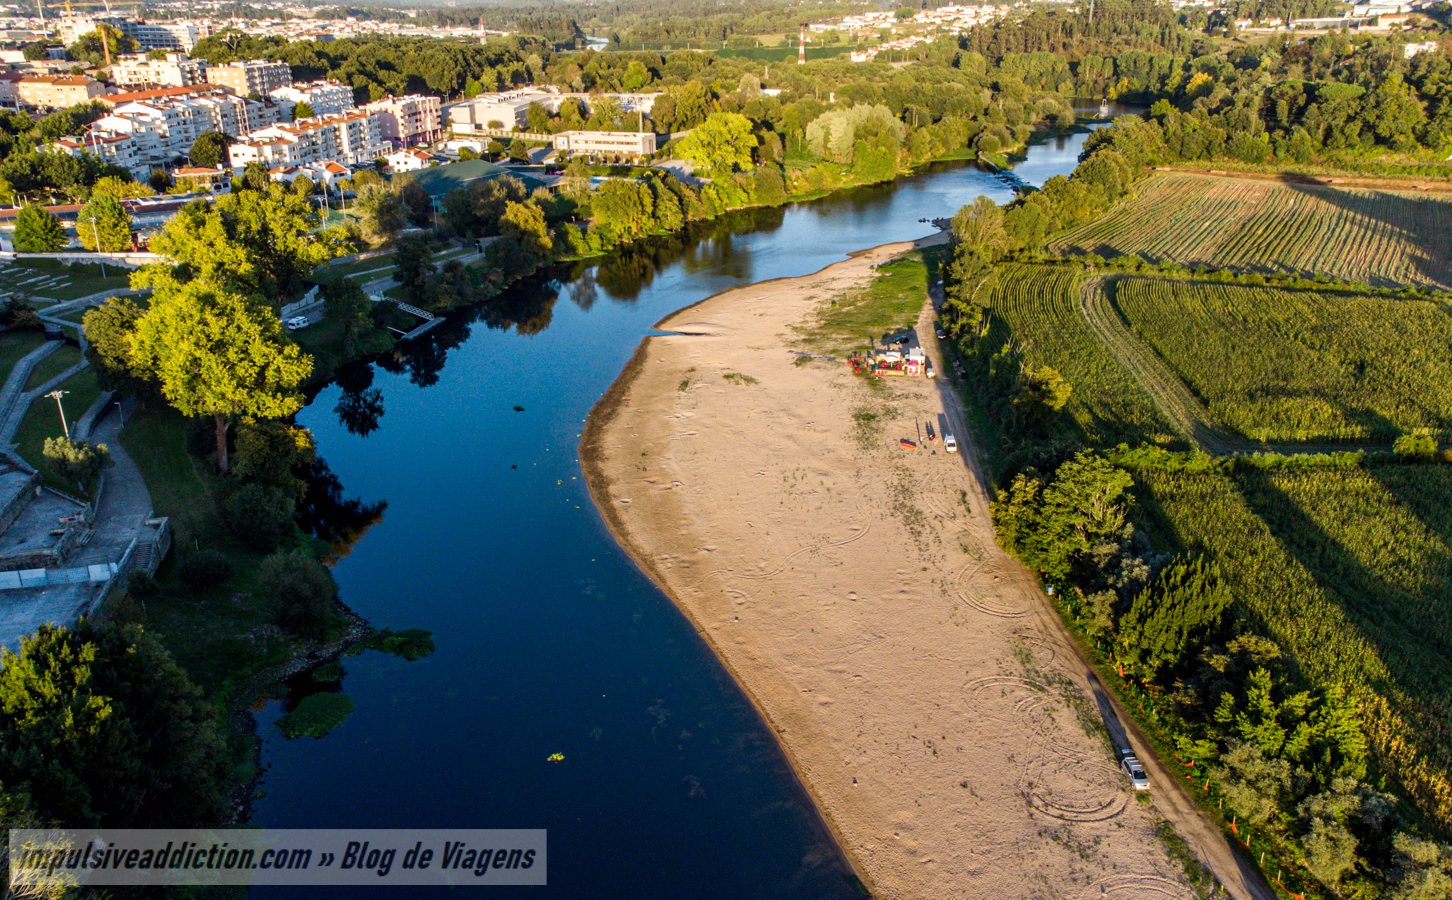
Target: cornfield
x=1381, y=238
x=1297, y=365
x=1032, y=310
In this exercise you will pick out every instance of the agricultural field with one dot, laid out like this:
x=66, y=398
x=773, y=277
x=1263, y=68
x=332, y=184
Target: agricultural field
x=1285, y=365
x=1349, y=569
x=1033, y=309
x=1381, y=238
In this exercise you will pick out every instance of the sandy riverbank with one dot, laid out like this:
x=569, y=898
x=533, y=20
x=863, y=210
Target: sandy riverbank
x=854, y=590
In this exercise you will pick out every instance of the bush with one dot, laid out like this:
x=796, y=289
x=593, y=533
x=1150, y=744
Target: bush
x=1415, y=446
x=140, y=585
x=259, y=514
x=316, y=715
x=303, y=590
x=204, y=569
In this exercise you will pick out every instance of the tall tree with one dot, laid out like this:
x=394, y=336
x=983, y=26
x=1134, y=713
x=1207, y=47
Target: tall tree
x=37, y=231
x=104, y=225
x=210, y=150
x=220, y=354
x=720, y=145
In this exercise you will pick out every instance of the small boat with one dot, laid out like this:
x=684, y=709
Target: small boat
x=911, y=445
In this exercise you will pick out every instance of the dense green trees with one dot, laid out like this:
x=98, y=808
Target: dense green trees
x=37, y=231
x=720, y=145
x=219, y=354
x=262, y=243
x=99, y=727
x=210, y=150
x=1180, y=611
x=103, y=224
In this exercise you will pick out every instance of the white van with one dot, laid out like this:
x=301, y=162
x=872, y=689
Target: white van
x=950, y=443
x=297, y=323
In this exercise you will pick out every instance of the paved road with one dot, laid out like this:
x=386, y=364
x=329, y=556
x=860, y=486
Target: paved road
x=1204, y=838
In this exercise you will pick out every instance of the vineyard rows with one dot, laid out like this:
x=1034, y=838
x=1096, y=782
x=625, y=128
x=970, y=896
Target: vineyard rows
x=1032, y=308
x=1350, y=570
x=1380, y=238
x=1294, y=365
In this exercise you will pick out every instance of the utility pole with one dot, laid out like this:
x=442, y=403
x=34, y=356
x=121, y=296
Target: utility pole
x=95, y=233
x=58, y=394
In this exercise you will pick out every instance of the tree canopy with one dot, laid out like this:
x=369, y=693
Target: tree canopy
x=220, y=354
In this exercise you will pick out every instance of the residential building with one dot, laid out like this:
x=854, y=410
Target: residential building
x=166, y=122
x=202, y=180
x=606, y=143
x=410, y=160
x=59, y=91
x=113, y=147
x=181, y=36
x=255, y=76
x=10, y=89
x=409, y=121
x=177, y=70
x=327, y=98
x=508, y=108
x=351, y=139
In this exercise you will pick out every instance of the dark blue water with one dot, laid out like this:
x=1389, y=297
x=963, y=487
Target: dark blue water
x=548, y=638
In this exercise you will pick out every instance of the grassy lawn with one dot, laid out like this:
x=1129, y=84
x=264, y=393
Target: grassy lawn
x=355, y=267
x=214, y=634
x=42, y=420
x=79, y=286
x=52, y=366
x=14, y=345
x=891, y=300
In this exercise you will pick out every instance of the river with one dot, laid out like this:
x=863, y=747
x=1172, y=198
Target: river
x=549, y=641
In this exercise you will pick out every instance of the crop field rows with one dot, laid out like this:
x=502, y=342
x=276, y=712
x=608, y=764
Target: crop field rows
x=1295, y=365
x=1349, y=569
x=1034, y=307
x=1381, y=238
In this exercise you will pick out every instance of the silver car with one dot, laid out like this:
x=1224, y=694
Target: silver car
x=1131, y=766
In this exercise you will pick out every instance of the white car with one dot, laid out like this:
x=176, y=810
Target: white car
x=1131, y=766
x=950, y=443
x=297, y=323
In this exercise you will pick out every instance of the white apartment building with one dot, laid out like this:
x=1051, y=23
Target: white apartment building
x=509, y=108
x=112, y=147
x=327, y=98
x=410, y=160
x=350, y=139
x=165, y=128
x=606, y=143
x=180, y=35
x=255, y=76
x=177, y=70
x=409, y=121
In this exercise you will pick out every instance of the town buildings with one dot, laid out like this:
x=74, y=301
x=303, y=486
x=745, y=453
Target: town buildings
x=409, y=121
x=177, y=70
x=325, y=97
x=166, y=122
x=606, y=143
x=58, y=91
x=255, y=76
x=353, y=138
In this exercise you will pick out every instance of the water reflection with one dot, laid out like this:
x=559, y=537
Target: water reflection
x=329, y=516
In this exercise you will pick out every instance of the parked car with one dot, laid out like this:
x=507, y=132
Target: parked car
x=950, y=443
x=1131, y=766
x=297, y=323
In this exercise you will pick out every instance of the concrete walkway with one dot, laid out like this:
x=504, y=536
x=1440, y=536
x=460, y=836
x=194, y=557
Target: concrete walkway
x=125, y=504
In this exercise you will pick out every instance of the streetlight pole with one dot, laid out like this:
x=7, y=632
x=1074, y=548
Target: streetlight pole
x=95, y=233
x=58, y=395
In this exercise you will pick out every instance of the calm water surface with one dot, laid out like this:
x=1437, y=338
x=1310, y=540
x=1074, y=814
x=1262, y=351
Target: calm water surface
x=548, y=638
